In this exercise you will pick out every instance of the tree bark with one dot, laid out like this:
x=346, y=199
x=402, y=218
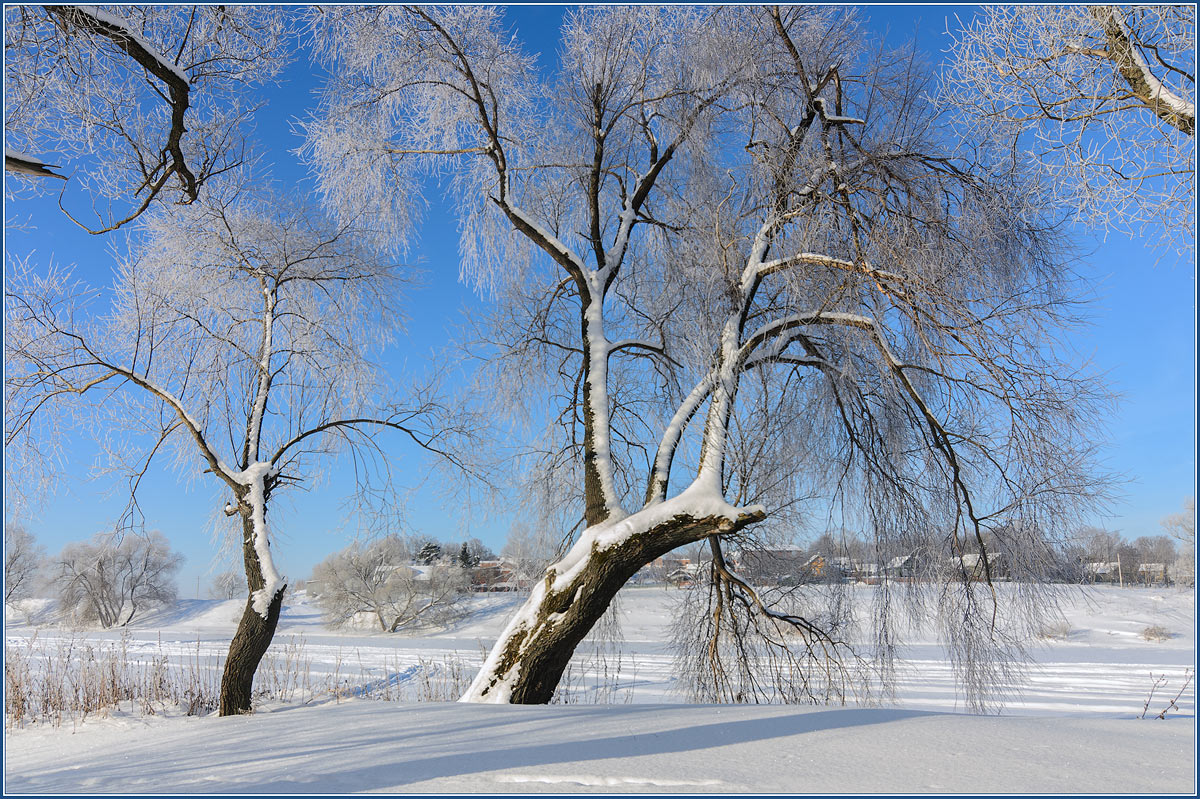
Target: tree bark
x=253, y=636
x=1123, y=52
x=528, y=660
x=595, y=415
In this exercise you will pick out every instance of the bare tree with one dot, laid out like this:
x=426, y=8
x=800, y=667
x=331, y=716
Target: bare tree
x=23, y=558
x=379, y=579
x=529, y=550
x=139, y=101
x=226, y=585
x=1101, y=98
x=240, y=338
x=110, y=578
x=1156, y=548
x=1156, y=555
x=469, y=553
x=724, y=217
x=1182, y=527
x=1100, y=545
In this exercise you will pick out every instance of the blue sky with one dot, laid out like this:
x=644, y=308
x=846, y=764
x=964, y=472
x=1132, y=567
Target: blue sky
x=1142, y=335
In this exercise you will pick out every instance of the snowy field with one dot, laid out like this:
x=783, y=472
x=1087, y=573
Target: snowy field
x=1074, y=727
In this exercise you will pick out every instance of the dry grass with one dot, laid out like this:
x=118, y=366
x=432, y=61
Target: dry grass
x=1055, y=630
x=428, y=680
x=77, y=678
x=1156, y=632
x=66, y=680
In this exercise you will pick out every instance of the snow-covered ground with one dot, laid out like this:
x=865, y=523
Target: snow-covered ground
x=1075, y=726
x=384, y=746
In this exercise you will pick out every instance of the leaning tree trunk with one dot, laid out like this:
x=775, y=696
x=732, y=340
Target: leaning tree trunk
x=253, y=636
x=527, y=662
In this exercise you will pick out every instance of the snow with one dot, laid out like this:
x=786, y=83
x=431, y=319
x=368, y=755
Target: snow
x=545, y=235
x=1073, y=729
x=20, y=156
x=272, y=580
x=701, y=499
x=254, y=477
x=381, y=747
x=597, y=378
x=482, y=688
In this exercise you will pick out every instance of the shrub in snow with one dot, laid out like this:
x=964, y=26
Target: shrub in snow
x=1156, y=632
x=1055, y=630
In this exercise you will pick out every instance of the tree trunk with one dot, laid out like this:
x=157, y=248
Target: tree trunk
x=527, y=661
x=253, y=636
x=596, y=421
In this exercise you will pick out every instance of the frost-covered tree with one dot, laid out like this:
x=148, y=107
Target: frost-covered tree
x=23, y=557
x=239, y=337
x=226, y=585
x=528, y=550
x=378, y=579
x=723, y=220
x=110, y=578
x=1159, y=550
x=1182, y=527
x=137, y=102
x=1182, y=524
x=1101, y=98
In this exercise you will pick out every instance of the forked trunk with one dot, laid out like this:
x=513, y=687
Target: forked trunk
x=526, y=663
x=253, y=636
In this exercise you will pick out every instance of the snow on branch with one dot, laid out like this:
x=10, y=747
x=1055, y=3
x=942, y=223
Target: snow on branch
x=15, y=161
x=1124, y=52
x=130, y=41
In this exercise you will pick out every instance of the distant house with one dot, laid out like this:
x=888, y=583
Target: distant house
x=670, y=568
x=1152, y=574
x=901, y=567
x=839, y=568
x=497, y=575
x=777, y=565
x=974, y=564
x=854, y=570
x=1101, y=572
x=417, y=572
x=684, y=576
